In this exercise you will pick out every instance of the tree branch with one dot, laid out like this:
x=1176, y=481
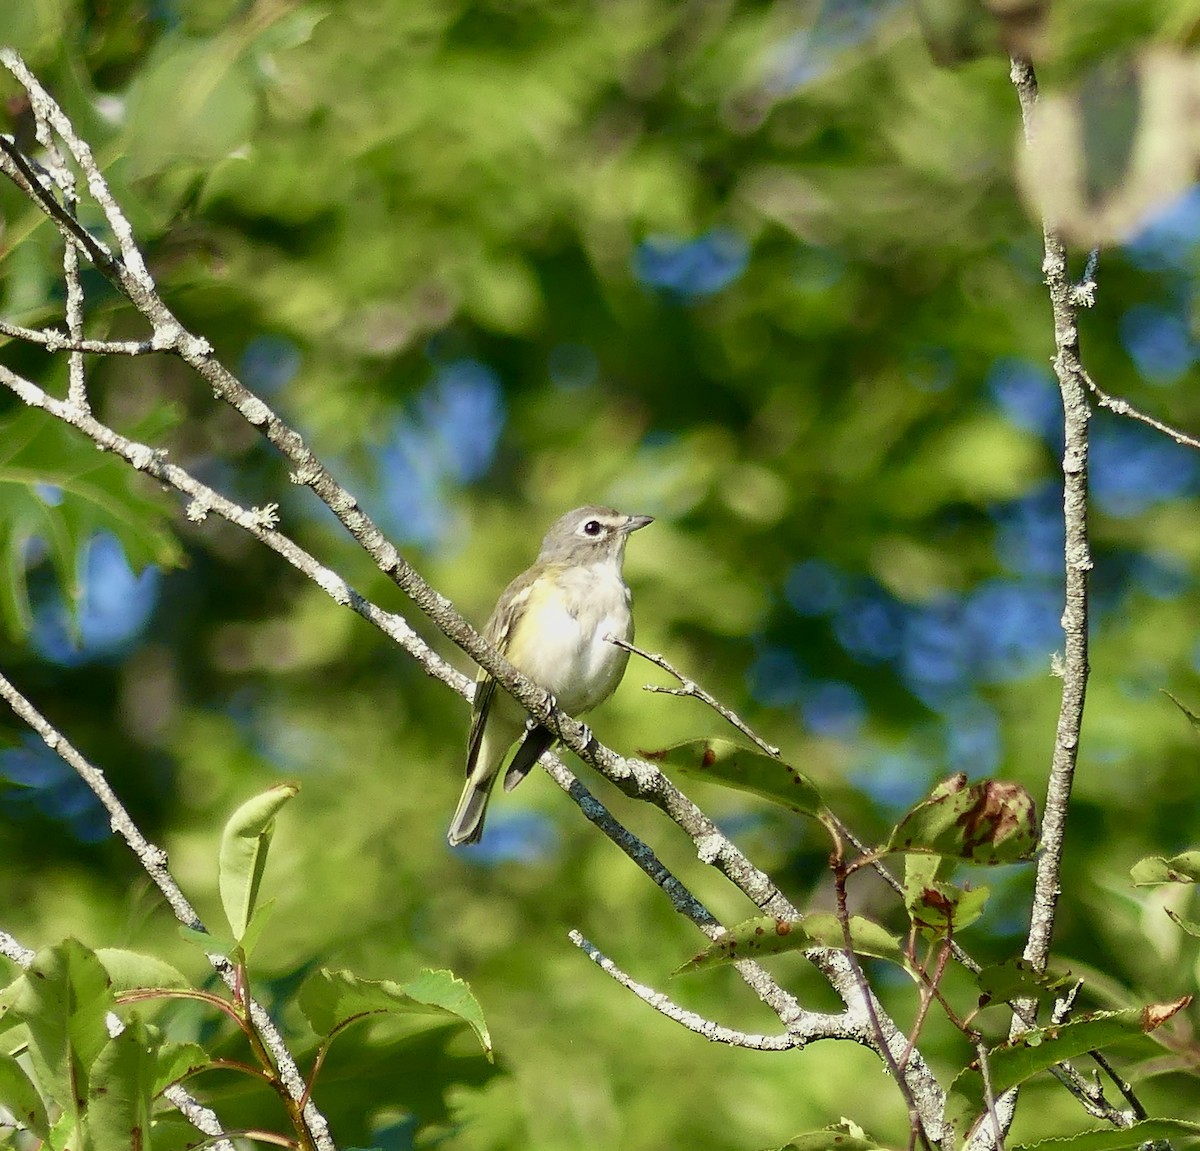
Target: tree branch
x=1068, y=370
x=689, y=688
x=793, y=1038
x=1125, y=408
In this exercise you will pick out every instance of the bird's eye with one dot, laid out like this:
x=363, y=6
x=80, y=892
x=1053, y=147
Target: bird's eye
x=592, y=528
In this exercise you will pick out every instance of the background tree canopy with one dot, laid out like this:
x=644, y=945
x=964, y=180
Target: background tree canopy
x=760, y=270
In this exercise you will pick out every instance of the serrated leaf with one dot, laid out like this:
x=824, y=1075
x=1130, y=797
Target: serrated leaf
x=330, y=999
x=130, y=970
x=1117, y=1139
x=19, y=1096
x=992, y=821
x=93, y=493
x=122, y=1088
x=1038, y=1050
x=244, y=845
x=730, y=764
x=1017, y=979
x=767, y=935
x=63, y=999
x=1182, y=868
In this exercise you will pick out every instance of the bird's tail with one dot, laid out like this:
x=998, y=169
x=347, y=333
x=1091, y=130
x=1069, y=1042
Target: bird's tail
x=467, y=824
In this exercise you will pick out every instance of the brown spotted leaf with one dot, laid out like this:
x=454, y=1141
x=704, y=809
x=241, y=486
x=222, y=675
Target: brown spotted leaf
x=730, y=764
x=767, y=935
x=1154, y=869
x=1018, y=979
x=992, y=821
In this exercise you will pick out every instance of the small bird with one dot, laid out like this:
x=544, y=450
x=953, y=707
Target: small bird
x=551, y=623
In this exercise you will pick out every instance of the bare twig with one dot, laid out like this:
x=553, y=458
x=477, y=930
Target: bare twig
x=688, y=687
x=712, y=1031
x=1078, y=562
x=1073, y=381
x=896, y=1063
x=55, y=341
x=64, y=178
x=1125, y=408
x=202, y=1118
x=989, y=1095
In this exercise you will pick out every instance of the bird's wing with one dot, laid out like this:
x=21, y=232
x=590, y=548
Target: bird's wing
x=497, y=631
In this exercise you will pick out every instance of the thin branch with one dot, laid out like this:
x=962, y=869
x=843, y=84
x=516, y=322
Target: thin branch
x=60, y=172
x=1125, y=408
x=202, y=1118
x=989, y=1095
x=688, y=687
x=1078, y=563
x=56, y=341
x=1073, y=381
x=154, y=861
x=714, y=1032
x=897, y=1063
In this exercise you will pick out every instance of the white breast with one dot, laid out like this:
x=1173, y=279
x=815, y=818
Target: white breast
x=571, y=658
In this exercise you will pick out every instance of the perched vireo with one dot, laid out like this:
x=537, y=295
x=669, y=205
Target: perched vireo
x=551, y=624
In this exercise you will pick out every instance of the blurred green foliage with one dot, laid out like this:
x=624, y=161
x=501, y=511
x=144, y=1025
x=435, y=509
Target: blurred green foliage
x=759, y=270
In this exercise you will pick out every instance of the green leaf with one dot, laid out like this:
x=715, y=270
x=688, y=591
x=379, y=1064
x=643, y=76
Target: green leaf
x=129, y=970
x=209, y=943
x=244, y=844
x=175, y=1060
x=122, y=1089
x=730, y=764
x=330, y=999
x=1110, y=1139
x=934, y=905
x=843, y=1136
x=766, y=935
x=217, y=116
x=57, y=489
x=1018, y=979
x=992, y=821
x=1038, y=1050
x=62, y=999
x=20, y=1096
x=1182, y=868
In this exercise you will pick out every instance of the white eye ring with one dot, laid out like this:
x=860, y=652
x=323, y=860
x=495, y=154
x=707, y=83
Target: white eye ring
x=592, y=528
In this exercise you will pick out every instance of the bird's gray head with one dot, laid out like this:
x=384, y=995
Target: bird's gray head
x=589, y=535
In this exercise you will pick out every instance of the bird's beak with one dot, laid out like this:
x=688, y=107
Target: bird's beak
x=634, y=522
